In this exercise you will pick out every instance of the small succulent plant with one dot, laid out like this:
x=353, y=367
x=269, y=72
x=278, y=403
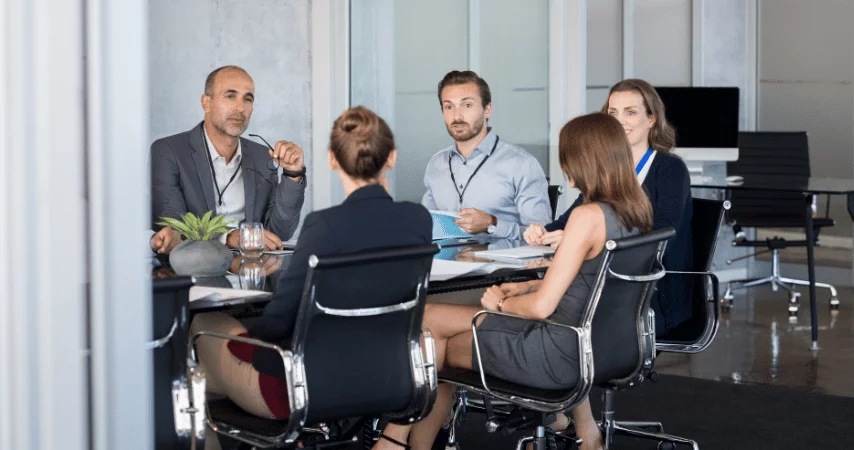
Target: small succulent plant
x=193, y=228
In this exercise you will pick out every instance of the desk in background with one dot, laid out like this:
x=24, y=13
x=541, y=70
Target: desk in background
x=808, y=187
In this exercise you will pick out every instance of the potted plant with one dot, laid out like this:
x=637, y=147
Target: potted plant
x=200, y=254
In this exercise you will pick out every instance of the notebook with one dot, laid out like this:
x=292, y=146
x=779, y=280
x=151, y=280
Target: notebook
x=444, y=226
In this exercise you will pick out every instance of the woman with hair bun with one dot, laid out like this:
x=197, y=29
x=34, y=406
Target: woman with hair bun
x=361, y=152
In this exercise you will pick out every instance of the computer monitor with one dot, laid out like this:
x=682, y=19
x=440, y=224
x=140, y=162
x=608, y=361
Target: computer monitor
x=704, y=117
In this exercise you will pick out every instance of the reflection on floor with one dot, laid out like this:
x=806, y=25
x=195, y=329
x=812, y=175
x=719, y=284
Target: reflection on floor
x=758, y=344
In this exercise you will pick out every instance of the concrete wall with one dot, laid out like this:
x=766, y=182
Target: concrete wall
x=604, y=49
x=728, y=54
x=268, y=38
x=662, y=42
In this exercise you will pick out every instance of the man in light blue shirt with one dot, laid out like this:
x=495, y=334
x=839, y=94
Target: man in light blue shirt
x=498, y=188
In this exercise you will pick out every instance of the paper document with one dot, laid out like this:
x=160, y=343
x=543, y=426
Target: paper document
x=516, y=253
x=445, y=270
x=444, y=226
x=216, y=294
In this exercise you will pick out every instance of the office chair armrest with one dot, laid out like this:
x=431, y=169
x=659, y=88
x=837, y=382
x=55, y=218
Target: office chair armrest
x=659, y=273
x=711, y=327
x=585, y=375
x=294, y=374
x=429, y=362
x=711, y=276
x=426, y=377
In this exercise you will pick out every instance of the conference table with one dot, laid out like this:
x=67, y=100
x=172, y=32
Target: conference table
x=263, y=274
x=809, y=187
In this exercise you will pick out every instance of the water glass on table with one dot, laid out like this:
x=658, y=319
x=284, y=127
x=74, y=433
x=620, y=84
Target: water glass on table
x=252, y=275
x=251, y=240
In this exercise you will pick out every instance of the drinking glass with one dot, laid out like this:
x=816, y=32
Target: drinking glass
x=252, y=274
x=251, y=240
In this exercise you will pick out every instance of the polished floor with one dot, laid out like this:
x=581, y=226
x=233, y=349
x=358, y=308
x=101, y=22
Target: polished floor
x=758, y=344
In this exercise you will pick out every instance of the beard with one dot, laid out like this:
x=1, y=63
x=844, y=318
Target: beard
x=470, y=131
x=233, y=128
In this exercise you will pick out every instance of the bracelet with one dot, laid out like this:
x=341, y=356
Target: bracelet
x=498, y=306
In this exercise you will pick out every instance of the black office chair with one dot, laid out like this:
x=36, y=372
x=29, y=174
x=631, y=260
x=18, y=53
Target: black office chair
x=616, y=345
x=780, y=156
x=173, y=424
x=696, y=333
x=360, y=317
x=555, y=191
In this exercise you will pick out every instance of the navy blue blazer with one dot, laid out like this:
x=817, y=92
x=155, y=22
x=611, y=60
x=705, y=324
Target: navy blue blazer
x=368, y=219
x=668, y=187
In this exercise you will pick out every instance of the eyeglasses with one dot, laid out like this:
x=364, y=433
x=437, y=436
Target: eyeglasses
x=271, y=163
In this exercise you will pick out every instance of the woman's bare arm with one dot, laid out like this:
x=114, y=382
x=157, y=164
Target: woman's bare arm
x=585, y=232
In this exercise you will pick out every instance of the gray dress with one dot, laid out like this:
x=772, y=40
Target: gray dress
x=539, y=355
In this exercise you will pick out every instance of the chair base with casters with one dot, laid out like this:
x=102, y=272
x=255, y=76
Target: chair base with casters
x=611, y=428
x=774, y=157
x=777, y=281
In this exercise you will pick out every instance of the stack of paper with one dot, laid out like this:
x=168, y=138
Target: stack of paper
x=445, y=270
x=444, y=226
x=516, y=254
x=217, y=294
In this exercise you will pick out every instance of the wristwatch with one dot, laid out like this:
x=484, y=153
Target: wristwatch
x=492, y=226
x=291, y=173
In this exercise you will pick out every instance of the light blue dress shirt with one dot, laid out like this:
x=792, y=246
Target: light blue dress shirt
x=510, y=185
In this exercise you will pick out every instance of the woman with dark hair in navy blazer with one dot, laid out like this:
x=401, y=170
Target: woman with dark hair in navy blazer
x=664, y=178
x=361, y=151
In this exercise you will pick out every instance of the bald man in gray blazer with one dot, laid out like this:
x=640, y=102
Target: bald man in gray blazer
x=212, y=168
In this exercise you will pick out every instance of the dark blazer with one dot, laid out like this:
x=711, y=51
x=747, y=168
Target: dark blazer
x=368, y=219
x=668, y=187
x=181, y=182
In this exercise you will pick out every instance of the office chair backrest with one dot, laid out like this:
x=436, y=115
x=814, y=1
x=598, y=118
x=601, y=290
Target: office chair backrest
x=620, y=316
x=772, y=156
x=358, y=324
x=554, y=195
x=169, y=320
x=705, y=226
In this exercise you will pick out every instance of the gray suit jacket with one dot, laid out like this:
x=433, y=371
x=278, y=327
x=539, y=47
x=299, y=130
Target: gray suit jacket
x=181, y=182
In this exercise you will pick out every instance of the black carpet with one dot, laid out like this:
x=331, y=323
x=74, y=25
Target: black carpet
x=717, y=415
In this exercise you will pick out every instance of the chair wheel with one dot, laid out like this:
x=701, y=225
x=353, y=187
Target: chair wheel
x=834, y=303
x=666, y=446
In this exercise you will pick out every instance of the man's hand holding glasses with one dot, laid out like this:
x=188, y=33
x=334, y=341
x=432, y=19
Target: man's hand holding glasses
x=287, y=155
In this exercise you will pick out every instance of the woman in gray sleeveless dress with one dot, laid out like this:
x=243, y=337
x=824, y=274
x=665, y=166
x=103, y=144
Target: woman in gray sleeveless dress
x=596, y=157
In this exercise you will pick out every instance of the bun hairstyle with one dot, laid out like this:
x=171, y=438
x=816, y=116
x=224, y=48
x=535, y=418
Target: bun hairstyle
x=361, y=142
